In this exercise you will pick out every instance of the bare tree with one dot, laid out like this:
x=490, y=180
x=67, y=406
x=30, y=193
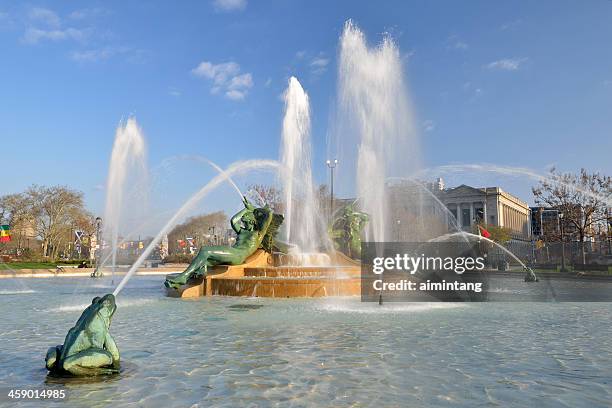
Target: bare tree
x=198, y=227
x=14, y=212
x=270, y=194
x=581, y=198
x=54, y=211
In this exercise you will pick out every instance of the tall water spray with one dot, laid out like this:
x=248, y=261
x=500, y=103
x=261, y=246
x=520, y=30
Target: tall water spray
x=296, y=173
x=374, y=114
x=126, y=183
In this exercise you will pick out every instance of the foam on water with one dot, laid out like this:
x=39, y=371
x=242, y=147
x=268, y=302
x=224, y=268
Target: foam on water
x=355, y=307
x=120, y=303
x=16, y=292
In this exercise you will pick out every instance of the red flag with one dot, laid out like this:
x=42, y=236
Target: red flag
x=484, y=232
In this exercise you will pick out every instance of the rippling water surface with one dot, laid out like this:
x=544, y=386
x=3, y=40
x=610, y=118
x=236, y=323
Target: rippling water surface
x=232, y=352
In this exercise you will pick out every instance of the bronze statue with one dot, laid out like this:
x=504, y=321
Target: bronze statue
x=530, y=275
x=255, y=228
x=89, y=349
x=347, y=229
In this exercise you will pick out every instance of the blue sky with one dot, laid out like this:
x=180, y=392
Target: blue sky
x=512, y=83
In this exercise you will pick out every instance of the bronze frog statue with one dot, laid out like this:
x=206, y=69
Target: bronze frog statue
x=89, y=349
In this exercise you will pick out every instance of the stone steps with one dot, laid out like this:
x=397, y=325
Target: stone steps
x=286, y=287
x=300, y=272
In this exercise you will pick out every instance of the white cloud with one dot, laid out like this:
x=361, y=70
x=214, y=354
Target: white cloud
x=34, y=35
x=511, y=24
x=6, y=22
x=229, y=5
x=241, y=81
x=316, y=63
x=454, y=42
x=268, y=82
x=319, y=64
x=96, y=55
x=460, y=45
x=88, y=13
x=45, y=24
x=226, y=78
x=473, y=91
x=44, y=16
x=219, y=73
x=408, y=55
x=429, y=125
x=173, y=91
x=507, y=64
x=235, y=95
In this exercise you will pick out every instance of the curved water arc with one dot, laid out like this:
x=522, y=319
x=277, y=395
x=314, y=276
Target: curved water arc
x=235, y=168
x=469, y=234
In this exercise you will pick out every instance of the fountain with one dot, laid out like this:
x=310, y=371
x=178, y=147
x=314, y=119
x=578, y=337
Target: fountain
x=279, y=269
x=530, y=275
x=303, y=226
x=126, y=170
x=374, y=114
x=236, y=168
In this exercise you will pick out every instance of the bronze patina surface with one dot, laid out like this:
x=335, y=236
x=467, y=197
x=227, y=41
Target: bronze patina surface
x=255, y=228
x=89, y=349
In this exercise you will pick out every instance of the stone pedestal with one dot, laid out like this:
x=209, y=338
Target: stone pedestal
x=258, y=277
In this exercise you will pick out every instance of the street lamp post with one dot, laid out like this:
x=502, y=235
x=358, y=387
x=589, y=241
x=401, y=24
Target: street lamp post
x=98, y=248
x=398, y=229
x=214, y=237
x=332, y=165
x=562, y=243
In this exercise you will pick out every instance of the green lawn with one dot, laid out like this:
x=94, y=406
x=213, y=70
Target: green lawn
x=28, y=265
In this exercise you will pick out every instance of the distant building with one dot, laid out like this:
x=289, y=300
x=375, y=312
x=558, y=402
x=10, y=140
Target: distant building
x=462, y=208
x=424, y=210
x=545, y=223
x=488, y=205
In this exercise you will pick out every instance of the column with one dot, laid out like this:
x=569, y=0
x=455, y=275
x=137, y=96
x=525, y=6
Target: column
x=472, y=215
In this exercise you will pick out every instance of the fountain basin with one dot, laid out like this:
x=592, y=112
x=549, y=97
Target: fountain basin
x=257, y=277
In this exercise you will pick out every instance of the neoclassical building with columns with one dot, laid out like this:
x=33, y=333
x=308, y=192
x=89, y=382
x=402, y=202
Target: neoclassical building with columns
x=490, y=205
x=414, y=202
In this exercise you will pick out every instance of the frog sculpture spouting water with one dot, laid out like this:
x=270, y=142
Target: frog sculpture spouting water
x=89, y=349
